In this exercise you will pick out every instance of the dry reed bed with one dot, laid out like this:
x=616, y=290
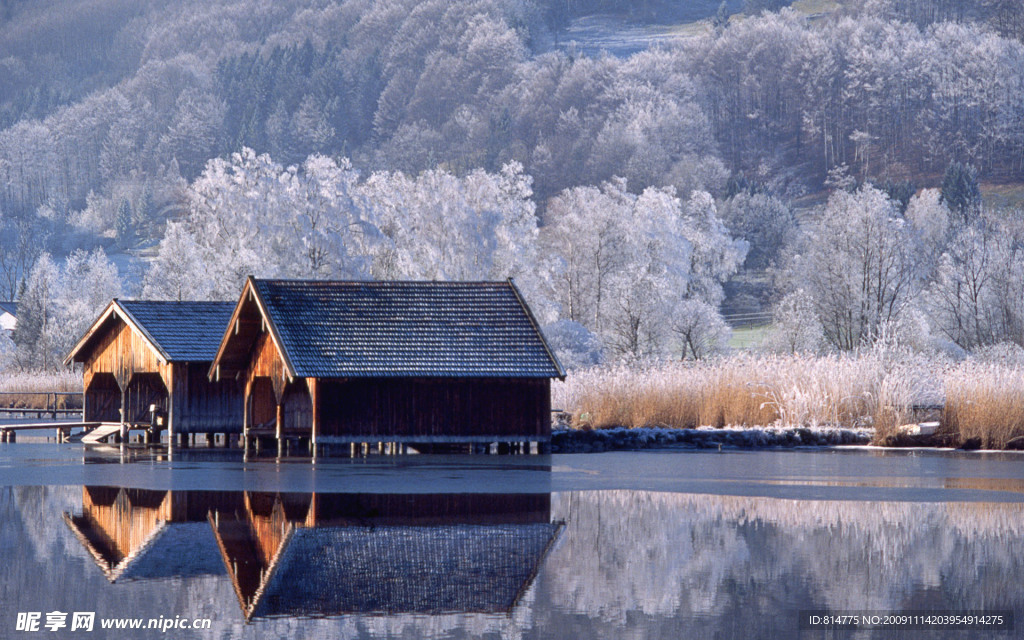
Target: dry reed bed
x=985, y=403
x=878, y=388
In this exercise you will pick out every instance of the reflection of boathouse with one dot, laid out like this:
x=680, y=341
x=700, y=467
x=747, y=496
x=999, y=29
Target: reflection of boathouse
x=141, y=353
x=336, y=554
x=400, y=362
x=137, y=534
x=301, y=554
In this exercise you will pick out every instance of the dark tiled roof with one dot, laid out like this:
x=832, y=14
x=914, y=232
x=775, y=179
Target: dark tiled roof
x=180, y=550
x=9, y=307
x=182, y=331
x=407, y=329
x=426, y=570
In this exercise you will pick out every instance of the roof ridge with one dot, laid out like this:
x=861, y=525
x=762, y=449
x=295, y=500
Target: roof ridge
x=383, y=283
x=332, y=328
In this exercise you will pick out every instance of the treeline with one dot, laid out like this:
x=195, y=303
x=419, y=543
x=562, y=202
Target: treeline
x=614, y=274
x=409, y=85
x=116, y=140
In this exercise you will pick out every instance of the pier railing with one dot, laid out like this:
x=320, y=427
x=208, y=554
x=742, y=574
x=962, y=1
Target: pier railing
x=40, y=403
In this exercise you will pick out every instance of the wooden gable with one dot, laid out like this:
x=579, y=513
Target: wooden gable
x=114, y=345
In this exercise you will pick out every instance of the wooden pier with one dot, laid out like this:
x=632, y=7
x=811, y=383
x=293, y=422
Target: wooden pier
x=9, y=432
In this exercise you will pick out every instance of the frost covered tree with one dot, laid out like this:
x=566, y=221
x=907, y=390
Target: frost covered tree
x=176, y=273
x=699, y=328
x=34, y=335
x=930, y=224
x=960, y=190
x=439, y=226
x=21, y=243
x=7, y=351
x=252, y=216
x=764, y=221
x=795, y=327
x=974, y=298
x=88, y=281
x=124, y=225
x=859, y=265
x=58, y=305
x=625, y=261
x=575, y=346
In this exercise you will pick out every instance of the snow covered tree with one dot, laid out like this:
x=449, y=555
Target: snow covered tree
x=795, y=327
x=626, y=261
x=762, y=220
x=34, y=335
x=859, y=265
x=700, y=329
x=177, y=272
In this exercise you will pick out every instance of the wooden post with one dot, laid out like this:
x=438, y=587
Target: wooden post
x=172, y=408
x=124, y=414
x=279, y=428
x=246, y=412
x=314, y=399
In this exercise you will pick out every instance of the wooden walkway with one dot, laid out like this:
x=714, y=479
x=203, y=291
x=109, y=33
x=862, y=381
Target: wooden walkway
x=8, y=432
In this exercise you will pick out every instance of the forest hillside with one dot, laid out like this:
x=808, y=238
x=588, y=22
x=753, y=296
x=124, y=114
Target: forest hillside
x=754, y=157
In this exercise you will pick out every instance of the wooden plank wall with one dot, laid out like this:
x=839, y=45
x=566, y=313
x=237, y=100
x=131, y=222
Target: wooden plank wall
x=298, y=408
x=264, y=407
x=123, y=353
x=126, y=521
x=205, y=406
x=200, y=406
x=436, y=407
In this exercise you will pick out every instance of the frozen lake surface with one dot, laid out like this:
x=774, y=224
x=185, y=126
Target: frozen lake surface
x=640, y=544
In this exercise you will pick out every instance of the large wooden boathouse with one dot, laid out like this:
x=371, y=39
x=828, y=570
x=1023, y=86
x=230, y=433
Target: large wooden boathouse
x=388, y=363
x=141, y=354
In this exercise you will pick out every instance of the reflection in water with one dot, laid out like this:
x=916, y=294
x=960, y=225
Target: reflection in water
x=134, y=534
x=750, y=563
x=624, y=564
x=324, y=554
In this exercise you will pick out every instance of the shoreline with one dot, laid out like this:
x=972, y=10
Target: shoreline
x=636, y=438
x=565, y=440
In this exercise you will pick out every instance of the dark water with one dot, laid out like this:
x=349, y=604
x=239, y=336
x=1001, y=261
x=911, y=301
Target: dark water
x=618, y=545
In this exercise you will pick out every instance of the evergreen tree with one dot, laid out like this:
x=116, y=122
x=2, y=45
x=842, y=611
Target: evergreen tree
x=960, y=191
x=144, y=209
x=124, y=227
x=899, y=191
x=33, y=333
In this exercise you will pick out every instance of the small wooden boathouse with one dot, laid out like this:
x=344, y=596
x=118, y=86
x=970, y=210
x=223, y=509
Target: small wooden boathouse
x=144, y=353
x=397, y=363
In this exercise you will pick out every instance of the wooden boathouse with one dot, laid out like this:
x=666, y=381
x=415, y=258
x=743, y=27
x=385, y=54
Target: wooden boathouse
x=144, y=353
x=422, y=364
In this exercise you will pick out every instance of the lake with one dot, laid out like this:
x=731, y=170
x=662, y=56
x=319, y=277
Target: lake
x=654, y=544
